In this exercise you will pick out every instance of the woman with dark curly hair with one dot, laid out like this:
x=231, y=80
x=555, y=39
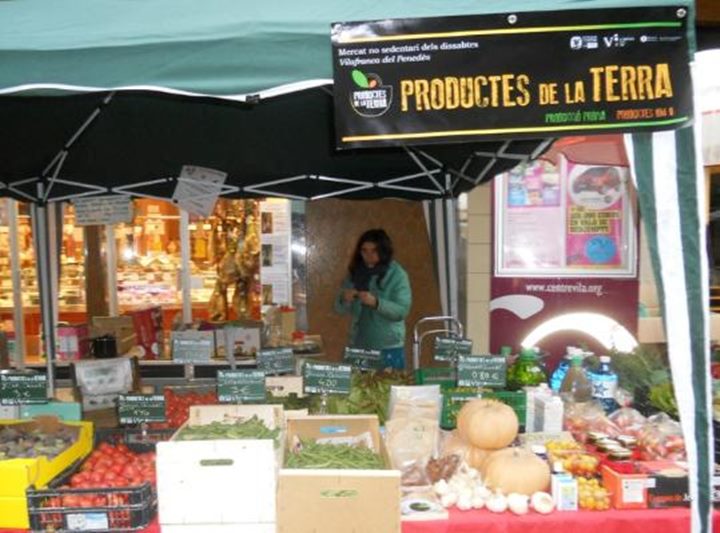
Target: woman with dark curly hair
x=376, y=292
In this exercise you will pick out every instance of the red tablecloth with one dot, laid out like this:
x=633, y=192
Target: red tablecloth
x=635, y=521
x=630, y=521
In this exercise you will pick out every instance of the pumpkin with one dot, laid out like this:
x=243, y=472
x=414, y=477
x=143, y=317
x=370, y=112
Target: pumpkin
x=487, y=424
x=516, y=470
x=477, y=457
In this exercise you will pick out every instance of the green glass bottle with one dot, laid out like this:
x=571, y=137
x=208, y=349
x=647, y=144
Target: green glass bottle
x=526, y=372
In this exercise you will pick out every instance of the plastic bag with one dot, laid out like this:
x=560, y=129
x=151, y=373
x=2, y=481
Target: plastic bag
x=582, y=418
x=661, y=438
x=419, y=401
x=628, y=420
x=411, y=440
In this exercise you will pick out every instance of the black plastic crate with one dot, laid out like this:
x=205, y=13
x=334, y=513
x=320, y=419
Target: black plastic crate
x=98, y=509
x=102, y=509
x=137, y=440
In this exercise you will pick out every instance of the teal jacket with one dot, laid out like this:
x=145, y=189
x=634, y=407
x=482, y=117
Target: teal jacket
x=384, y=327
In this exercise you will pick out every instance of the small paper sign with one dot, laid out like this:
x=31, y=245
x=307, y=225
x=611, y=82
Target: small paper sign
x=192, y=346
x=276, y=361
x=363, y=359
x=482, y=371
x=21, y=389
x=327, y=378
x=449, y=348
x=198, y=189
x=100, y=210
x=237, y=386
x=139, y=408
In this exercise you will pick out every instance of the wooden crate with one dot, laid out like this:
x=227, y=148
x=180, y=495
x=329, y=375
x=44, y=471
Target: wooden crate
x=204, y=484
x=338, y=501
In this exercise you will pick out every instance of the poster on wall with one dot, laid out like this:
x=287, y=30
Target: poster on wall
x=275, y=252
x=572, y=220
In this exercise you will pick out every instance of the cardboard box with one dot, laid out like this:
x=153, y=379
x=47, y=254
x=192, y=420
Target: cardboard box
x=282, y=386
x=73, y=342
x=627, y=491
x=338, y=501
x=246, y=334
x=148, y=324
x=120, y=327
x=233, y=483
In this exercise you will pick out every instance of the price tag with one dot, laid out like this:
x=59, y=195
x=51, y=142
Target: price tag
x=112, y=209
x=139, y=408
x=364, y=359
x=482, y=371
x=449, y=348
x=192, y=346
x=327, y=378
x=277, y=361
x=20, y=389
x=237, y=386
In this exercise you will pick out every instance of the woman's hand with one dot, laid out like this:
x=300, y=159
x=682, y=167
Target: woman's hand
x=349, y=295
x=367, y=298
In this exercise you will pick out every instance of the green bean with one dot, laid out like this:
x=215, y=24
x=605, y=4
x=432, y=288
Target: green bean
x=344, y=456
x=252, y=428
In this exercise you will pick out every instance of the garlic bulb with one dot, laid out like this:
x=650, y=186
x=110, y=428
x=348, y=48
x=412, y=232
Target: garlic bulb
x=518, y=503
x=497, y=503
x=481, y=491
x=441, y=487
x=449, y=499
x=542, y=502
x=478, y=502
x=464, y=502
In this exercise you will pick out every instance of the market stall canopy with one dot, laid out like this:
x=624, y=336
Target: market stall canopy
x=279, y=147
x=241, y=88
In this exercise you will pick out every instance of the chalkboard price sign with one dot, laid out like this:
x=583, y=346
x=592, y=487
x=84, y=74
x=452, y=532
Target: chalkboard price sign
x=482, y=371
x=276, y=361
x=450, y=348
x=237, y=386
x=363, y=359
x=139, y=408
x=327, y=378
x=20, y=389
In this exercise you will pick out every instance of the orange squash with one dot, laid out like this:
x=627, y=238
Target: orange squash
x=516, y=470
x=487, y=424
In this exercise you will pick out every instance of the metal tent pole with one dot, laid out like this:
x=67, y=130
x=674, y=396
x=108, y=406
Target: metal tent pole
x=18, y=315
x=451, y=238
x=185, y=266
x=41, y=240
x=111, y=269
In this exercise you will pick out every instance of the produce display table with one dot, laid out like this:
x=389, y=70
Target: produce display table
x=675, y=520
x=629, y=521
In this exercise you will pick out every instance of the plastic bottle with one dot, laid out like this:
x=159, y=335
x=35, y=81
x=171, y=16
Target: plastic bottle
x=576, y=386
x=559, y=374
x=605, y=384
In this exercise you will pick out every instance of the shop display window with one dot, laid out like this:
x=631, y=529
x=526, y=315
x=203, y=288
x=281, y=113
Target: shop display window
x=148, y=256
x=225, y=262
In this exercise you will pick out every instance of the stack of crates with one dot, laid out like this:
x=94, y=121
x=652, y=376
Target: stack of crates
x=454, y=397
